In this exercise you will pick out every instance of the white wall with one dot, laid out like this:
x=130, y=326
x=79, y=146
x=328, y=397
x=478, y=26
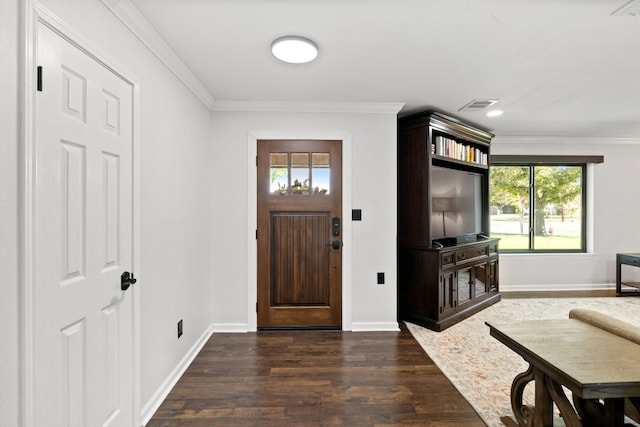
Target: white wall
x=194, y=207
x=9, y=320
x=175, y=182
x=372, y=248
x=614, y=220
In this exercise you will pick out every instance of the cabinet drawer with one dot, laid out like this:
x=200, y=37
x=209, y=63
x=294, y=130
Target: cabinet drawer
x=467, y=254
x=448, y=259
x=630, y=260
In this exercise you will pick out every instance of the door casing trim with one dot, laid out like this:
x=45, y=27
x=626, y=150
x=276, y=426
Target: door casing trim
x=34, y=14
x=252, y=216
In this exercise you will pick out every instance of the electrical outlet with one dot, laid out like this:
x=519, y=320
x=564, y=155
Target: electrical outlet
x=179, y=328
x=380, y=278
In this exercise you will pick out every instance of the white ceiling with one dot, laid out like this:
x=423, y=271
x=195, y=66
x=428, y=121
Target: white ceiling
x=558, y=67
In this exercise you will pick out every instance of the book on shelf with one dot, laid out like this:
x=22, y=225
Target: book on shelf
x=449, y=147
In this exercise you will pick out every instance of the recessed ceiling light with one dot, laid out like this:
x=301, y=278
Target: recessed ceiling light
x=294, y=49
x=495, y=113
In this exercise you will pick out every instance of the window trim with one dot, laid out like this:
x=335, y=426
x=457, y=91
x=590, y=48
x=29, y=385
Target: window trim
x=532, y=162
x=515, y=160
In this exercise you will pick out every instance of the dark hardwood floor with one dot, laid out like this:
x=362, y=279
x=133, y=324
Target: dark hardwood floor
x=314, y=378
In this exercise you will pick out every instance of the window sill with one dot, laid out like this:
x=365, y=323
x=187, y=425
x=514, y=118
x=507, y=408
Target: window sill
x=547, y=254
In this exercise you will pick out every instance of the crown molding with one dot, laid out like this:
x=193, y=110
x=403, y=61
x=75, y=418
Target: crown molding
x=581, y=140
x=308, y=107
x=131, y=17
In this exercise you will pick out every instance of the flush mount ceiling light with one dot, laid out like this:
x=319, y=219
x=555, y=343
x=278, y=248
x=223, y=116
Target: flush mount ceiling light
x=495, y=113
x=294, y=49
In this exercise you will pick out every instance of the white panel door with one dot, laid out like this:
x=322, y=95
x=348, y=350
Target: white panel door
x=83, y=240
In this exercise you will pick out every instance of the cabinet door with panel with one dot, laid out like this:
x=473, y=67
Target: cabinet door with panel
x=448, y=297
x=493, y=270
x=465, y=285
x=481, y=279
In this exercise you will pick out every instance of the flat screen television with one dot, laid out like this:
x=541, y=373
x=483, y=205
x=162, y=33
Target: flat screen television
x=456, y=203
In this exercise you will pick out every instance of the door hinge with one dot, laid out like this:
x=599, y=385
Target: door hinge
x=39, y=79
x=256, y=307
x=256, y=234
x=256, y=160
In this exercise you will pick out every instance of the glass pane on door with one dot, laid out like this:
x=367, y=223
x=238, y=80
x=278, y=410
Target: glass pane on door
x=299, y=173
x=464, y=285
x=279, y=171
x=320, y=172
x=480, y=279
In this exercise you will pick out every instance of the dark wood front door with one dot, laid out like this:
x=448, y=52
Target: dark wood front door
x=299, y=234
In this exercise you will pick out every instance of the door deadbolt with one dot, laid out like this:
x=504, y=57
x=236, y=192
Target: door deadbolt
x=335, y=229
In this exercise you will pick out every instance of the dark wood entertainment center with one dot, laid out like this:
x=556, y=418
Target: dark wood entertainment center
x=443, y=278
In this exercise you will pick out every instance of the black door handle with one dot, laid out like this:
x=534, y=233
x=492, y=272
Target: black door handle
x=126, y=280
x=335, y=244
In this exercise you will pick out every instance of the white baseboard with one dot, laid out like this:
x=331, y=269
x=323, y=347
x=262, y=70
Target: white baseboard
x=230, y=327
x=557, y=287
x=375, y=326
x=161, y=393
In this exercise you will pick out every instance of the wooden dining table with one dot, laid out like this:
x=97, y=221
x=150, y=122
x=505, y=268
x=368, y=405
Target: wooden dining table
x=599, y=368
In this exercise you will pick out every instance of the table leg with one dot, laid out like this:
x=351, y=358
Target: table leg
x=590, y=413
x=614, y=412
x=618, y=276
x=569, y=415
x=632, y=408
x=541, y=414
x=524, y=413
x=544, y=404
x=596, y=414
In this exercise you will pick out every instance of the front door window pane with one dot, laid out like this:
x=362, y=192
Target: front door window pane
x=320, y=169
x=300, y=173
x=279, y=170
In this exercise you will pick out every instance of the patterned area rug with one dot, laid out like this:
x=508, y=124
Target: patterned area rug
x=482, y=368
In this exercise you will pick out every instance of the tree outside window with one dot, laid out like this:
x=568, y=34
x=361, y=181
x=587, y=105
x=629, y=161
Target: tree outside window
x=538, y=207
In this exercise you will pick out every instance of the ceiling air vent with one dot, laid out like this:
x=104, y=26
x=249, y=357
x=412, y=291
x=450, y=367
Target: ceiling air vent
x=631, y=8
x=478, y=104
